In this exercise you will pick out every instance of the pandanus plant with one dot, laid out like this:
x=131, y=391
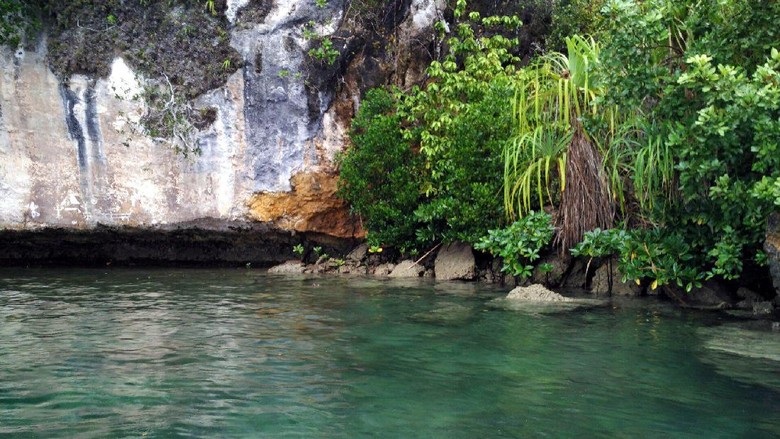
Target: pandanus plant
x=554, y=158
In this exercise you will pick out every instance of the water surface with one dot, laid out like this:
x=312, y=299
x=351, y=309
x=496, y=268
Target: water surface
x=237, y=353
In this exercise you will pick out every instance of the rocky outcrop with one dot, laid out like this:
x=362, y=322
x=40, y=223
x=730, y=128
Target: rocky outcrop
x=407, y=268
x=311, y=206
x=77, y=153
x=536, y=299
x=772, y=249
x=455, y=262
x=711, y=295
x=204, y=242
x=600, y=286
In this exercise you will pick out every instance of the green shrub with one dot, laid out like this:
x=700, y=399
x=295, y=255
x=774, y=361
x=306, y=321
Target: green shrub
x=426, y=164
x=709, y=84
x=380, y=175
x=519, y=245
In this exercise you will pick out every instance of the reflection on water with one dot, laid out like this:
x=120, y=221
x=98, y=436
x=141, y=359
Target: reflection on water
x=205, y=353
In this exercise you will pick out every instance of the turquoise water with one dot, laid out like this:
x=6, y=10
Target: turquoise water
x=210, y=353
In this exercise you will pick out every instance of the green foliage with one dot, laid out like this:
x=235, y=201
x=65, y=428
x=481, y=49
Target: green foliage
x=652, y=255
x=298, y=250
x=18, y=22
x=552, y=92
x=211, y=7
x=381, y=175
x=321, y=3
x=427, y=168
x=707, y=78
x=168, y=117
x=520, y=244
x=574, y=17
x=325, y=52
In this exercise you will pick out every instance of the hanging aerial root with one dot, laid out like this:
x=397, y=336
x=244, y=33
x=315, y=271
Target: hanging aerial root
x=585, y=202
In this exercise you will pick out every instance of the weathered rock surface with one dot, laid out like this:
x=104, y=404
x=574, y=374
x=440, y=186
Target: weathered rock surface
x=358, y=254
x=772, y=248
x=74, y=153
x=576, y=278
x=383, y=270
x=455, y=262
x=600, y=283
x=311, y=206
x=407, y=268
x=560, y=267
x=197, y=243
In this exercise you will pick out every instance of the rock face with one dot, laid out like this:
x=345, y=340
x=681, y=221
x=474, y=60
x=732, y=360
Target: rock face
x=772, y=248
x=455, y=262
x=560, y=266
x=75, y=153
x=311, y=206
x=711, y=295
x=600, y=283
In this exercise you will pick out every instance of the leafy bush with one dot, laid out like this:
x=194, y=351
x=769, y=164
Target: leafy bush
x=653, y=255
x=519, y=244
x=425, y=165
x=574, y=17
x=381, y=176
x=708, y=82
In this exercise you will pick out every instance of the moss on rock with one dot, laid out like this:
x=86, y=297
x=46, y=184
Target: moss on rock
x=180, y=39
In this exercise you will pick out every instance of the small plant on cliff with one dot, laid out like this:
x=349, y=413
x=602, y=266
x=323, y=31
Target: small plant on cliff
x=298, y=250
x=211, y=7
x=168, y=117
x=520, y=244
x=325, y=52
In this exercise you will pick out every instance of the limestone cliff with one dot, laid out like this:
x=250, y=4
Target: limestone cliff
x=75, y=153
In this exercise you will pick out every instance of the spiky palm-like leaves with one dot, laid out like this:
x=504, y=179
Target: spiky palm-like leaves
x=553, y=95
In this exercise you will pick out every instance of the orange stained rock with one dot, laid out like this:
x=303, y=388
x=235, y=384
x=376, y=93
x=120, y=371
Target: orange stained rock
x=311, y=206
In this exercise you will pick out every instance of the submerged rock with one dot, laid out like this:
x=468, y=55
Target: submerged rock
x=536, y=299
x=748, y=353
x=536, y=293
x=455, y=262
x=289, y=267
x=445, y=314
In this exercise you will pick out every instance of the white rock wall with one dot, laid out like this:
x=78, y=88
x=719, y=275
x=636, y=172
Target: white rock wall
x=75, y=155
